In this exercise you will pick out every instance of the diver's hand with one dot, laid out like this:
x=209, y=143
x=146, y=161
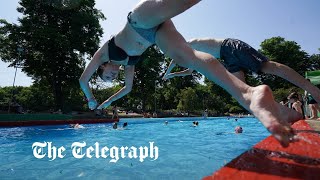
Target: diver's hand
x=92, y=103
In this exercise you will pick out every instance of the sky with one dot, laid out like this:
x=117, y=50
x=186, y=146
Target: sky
x=249, y=20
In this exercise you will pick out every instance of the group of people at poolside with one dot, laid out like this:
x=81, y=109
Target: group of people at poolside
x=150, y=23
x=298, y=103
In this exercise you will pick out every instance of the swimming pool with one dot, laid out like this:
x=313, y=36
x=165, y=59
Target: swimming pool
x=184, y=152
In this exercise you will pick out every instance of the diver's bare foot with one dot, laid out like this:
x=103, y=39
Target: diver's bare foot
x=274, y=117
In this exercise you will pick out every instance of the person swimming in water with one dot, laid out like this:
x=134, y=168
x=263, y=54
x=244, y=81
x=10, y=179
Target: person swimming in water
x=238, y=130
x=115, y=125
x=76, y=126
x=195, y=123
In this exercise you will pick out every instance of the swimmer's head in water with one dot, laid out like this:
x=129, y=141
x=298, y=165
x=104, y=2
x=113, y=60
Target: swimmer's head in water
x=238, y=129
x=108, y=71
x=115, y=125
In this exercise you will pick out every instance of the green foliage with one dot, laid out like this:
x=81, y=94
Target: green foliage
x=146, y=79
x=102, y=94
x=188, y=99
x=314, y=62
x=285, y=52
x=281, y=94
x=172, y=87
x=55, y=38
x=5, y=97
x=213, y=97
x=30, y=98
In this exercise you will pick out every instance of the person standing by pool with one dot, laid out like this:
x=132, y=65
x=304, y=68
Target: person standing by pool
x=150, y=23
x=295, y=103
x=312, y=103
x=205, y=113
x=239, y=57
x=284, y=102
x=115, y=112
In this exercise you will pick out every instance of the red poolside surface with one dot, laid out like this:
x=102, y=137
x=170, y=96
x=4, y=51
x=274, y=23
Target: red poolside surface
x=56, y=122
x=268, y=160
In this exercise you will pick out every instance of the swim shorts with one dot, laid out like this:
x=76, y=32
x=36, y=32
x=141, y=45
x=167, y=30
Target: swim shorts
x=311, y=100
x=238, y=55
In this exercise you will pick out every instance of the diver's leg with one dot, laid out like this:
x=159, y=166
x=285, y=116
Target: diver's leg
x=258, y=100
x=285, y=72
x=150, y=13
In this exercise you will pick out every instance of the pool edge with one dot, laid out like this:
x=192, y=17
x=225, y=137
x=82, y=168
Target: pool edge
x=55, y=122
x=268, y=160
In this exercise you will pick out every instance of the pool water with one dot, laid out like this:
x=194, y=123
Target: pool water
x=185, y=152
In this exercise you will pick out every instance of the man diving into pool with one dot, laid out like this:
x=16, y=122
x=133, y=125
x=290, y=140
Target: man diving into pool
x=240, y=57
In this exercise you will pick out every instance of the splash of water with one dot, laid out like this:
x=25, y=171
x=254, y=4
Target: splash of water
x=299, y=138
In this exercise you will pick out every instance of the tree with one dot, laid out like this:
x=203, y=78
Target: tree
x=188, y=99
x=172, y=87
x=35, y=97
x=314, y=62
x=56, y=38
x=222, y=101
x=147, y=76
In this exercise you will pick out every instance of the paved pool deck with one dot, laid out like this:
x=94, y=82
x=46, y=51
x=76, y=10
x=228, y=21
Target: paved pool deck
x=17, y=120
x=315, y=124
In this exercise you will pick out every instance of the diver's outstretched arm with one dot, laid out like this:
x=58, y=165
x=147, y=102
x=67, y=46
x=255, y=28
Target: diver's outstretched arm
x=99, y=58
x=129, y=75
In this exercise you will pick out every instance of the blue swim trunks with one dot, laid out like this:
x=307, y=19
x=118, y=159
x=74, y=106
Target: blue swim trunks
x=311, y=100
x=238, y=55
